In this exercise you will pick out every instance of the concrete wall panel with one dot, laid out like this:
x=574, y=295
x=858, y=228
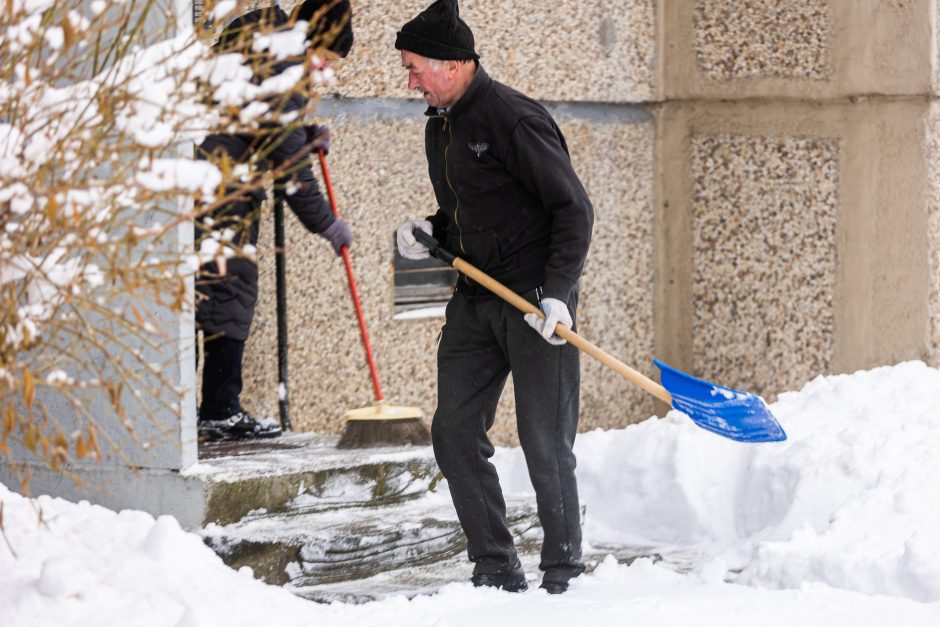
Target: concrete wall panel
x=812, y=49
x=737, y=40
x=792, y=239
x=932, y=153
x=764, y=258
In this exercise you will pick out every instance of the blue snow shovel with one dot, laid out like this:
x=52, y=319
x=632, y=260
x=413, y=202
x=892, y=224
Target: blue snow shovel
x=732, y=414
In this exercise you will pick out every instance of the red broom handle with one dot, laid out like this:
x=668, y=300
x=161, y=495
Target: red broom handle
x=352, y=284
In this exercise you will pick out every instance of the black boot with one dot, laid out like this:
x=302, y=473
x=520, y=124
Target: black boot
x=512, y=580
x=554, y=587
x=556, y=580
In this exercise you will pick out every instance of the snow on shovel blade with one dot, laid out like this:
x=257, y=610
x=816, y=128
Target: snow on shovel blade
x=730, y=413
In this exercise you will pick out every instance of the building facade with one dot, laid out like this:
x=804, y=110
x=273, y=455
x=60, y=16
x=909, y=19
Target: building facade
x=763, y=175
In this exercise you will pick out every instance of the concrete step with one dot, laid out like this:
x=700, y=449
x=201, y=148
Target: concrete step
x=347, y=525
x=309, y=547
x=284, y=473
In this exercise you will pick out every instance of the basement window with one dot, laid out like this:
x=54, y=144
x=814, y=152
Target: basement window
x=422, y=287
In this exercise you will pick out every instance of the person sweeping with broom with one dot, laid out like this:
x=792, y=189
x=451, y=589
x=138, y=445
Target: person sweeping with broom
x=511, y=204
x=226, y=299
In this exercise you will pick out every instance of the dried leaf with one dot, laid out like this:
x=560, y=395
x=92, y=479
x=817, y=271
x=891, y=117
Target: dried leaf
x=24, y=481
x=9, y=420
x=60, y=452
x=139, y=316
x=29, y=389
x=32, y=438
x=69, y=31
x=52, y=207
x=93, y=442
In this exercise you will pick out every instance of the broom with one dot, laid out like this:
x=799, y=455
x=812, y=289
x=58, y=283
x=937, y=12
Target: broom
x=381, y=424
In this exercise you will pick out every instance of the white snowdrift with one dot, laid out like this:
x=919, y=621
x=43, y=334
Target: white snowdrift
x=848, y=502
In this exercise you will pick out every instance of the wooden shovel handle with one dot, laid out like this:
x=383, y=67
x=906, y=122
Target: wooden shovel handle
x=564, y=332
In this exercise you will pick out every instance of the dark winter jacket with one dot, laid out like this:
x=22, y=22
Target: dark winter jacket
x=227, y=301
x=510, y=201
x=238, y=36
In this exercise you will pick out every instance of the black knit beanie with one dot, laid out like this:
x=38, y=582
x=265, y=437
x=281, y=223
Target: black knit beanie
x=332, y=28
x=438, y=33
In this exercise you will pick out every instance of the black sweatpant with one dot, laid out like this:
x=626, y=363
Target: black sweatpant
x=221, y=378
x=483, y=340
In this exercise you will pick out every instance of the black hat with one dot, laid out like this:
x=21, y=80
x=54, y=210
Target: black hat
x=333, y=25
x=438, y=33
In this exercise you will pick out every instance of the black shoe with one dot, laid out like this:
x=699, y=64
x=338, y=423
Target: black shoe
x=239, y=426
x=554, y=587
x=556, y=580
x=510, y=581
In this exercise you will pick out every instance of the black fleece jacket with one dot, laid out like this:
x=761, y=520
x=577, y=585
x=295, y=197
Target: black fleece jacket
x=510, y=201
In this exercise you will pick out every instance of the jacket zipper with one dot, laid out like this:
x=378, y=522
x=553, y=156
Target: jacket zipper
x=450, y=137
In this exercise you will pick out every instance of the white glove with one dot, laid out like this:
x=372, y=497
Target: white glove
x=556, y=312
x=408, y=246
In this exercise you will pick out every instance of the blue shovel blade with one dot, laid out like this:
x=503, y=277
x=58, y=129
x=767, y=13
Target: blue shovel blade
x=732, y=414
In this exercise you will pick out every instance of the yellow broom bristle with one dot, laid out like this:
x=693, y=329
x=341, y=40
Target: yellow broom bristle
x=374, y=433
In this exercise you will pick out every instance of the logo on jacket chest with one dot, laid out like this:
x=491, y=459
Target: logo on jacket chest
x=479, y=148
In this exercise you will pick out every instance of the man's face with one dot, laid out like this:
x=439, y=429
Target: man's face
x=435, y=84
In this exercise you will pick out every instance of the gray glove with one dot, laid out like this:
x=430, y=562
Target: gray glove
x=408, y=246
x=318, y=137
x=338, y=234
x=556, y=312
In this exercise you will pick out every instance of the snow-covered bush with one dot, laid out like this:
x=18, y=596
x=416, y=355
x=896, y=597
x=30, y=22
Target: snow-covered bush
x=100, y=105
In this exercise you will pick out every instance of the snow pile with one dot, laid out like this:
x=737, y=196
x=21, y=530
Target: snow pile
x=849, y=500
x=86, y=565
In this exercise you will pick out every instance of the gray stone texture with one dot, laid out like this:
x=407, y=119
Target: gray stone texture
x=590, y=50
x=737, y=40
x=764, y=258
x=792, y=239
x=809, y=49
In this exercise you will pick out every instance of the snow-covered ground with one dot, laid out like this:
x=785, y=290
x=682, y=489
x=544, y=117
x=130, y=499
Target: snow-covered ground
x=838, y=525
